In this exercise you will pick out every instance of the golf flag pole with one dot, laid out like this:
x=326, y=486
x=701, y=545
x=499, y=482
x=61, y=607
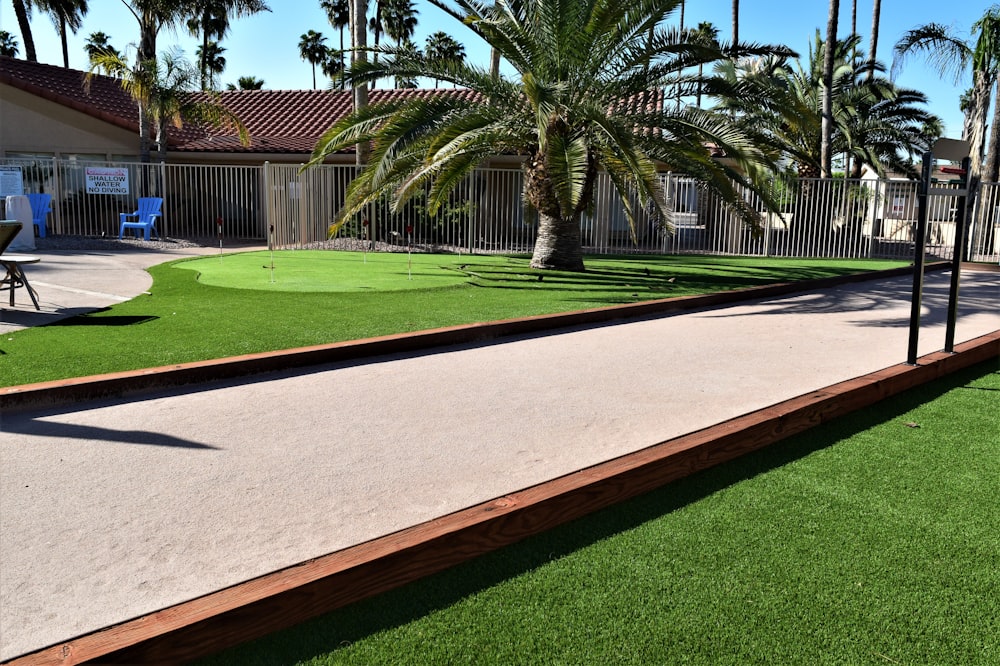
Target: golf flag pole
x=271, y=245
x=364, y=236
x=409, y=256
x=218, y=224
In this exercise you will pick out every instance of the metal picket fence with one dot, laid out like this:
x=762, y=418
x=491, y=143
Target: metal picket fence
x=486, y=213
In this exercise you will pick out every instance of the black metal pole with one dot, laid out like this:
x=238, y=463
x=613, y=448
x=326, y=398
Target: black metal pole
x=956, y=261
x=918, y=257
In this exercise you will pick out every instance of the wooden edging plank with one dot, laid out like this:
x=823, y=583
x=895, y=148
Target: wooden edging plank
x=136, y=382
x=295, y=594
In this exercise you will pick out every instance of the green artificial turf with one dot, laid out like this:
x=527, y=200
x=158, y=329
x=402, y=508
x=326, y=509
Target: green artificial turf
x=874, y=539
x=323, y=297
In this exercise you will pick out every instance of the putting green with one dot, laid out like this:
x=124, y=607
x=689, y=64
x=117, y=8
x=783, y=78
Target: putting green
x=328, y=271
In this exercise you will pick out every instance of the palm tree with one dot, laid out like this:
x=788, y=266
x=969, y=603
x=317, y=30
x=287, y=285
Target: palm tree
x=583, y=99
x=312, y=49
x=333, y=65
x=164, y=92
x=97, y=42
x=152, y=16
x=211, y=61
x=64, y=14
x=338, y=12
x=399, y=19
x=210, y=20
x=246, y=83
x=875, y=122
x=826, y=166
x=8, y=44
x=406, y=50
x=21, y=9
x=707, y=35
x=955, y=56
x=442, y=48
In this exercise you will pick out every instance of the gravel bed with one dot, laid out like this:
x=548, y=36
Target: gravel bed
x=105, y=244
x=114, y=244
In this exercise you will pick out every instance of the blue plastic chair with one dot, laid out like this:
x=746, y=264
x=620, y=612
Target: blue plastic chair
x=145, y=217
x=40, y=209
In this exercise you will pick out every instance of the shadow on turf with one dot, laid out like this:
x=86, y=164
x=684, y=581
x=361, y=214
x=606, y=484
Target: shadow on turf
x=95, y=318
x=341, y=628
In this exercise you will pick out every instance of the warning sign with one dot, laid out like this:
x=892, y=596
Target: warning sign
x=107, y=180
x=11, y=181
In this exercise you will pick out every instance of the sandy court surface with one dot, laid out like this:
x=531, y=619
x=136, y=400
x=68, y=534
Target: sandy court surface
x=112, y=509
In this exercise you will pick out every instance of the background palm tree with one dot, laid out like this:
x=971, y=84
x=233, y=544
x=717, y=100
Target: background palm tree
x=441, y=48
x=8, y=44
x=312, y=49
x=707, y=35
x=65, y=14
x=22, y=12
x=99, y=42
x=338, y=12
x=875, y=122
x=163, y=91
x=583, y=98
x=210, y=20
x=406, y=50
x=826, y=160
x=212, y=62
x=957, y=57
x=246, y=83
x=151, y=16
x=333, y=65
x=399, y=19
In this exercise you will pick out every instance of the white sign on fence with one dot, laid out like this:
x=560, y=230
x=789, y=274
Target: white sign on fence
x=107, y=180
x=11, y=181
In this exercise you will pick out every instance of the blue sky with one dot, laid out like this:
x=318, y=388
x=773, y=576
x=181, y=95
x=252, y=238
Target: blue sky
x=266, y=46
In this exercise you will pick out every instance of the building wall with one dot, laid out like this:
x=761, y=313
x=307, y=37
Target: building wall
x=31, y=124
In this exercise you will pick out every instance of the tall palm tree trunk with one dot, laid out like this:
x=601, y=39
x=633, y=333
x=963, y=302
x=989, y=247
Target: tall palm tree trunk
x=826, y=156
x=25, y=26
x=494, y=60
x=359, y=41
x=558, y=244
x=736, y=23
x=978, y=112
x=873, y=43
x=63, y=42
x=991, y=169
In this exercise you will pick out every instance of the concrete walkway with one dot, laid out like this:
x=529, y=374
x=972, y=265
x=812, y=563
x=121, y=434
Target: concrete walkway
x=114, y=509
x=71, y=282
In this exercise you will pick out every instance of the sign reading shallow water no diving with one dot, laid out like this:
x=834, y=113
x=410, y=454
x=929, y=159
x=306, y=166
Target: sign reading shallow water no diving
x=107, y=180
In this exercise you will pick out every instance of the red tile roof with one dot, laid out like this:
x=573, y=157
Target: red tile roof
x=279, y=121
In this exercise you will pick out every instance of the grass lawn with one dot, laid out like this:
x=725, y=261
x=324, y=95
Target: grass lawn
x=215, y=307
x=874, y=539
